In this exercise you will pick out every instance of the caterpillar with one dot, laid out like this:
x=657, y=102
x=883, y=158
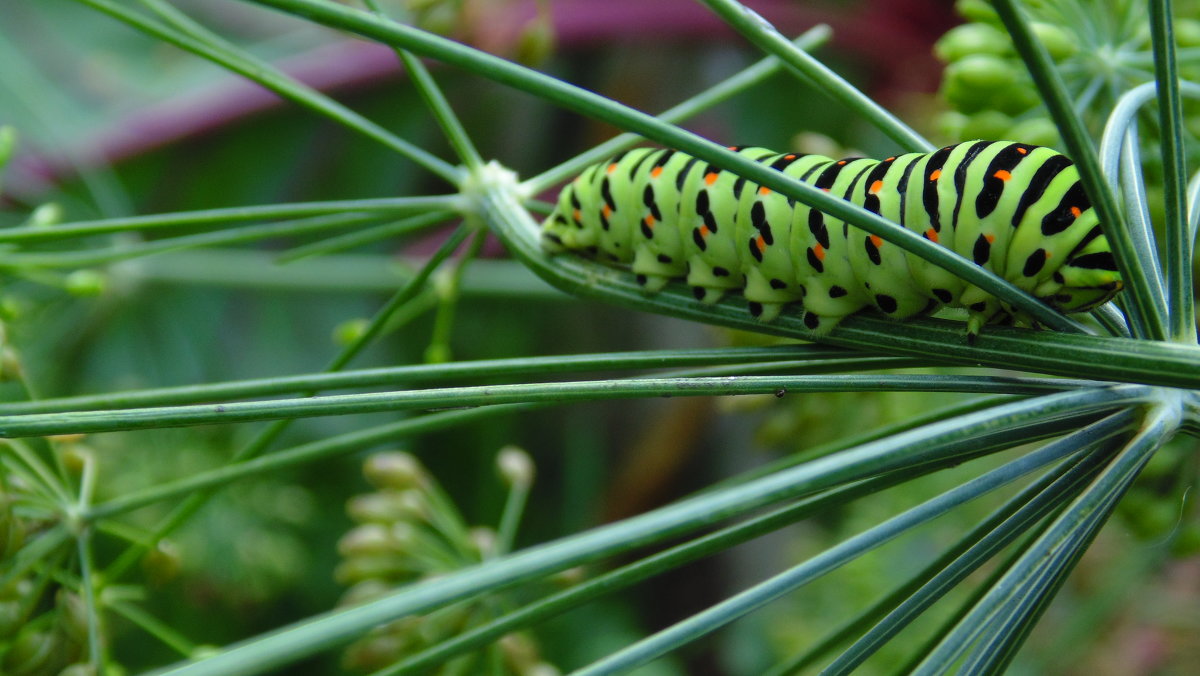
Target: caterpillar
x=1017, y=210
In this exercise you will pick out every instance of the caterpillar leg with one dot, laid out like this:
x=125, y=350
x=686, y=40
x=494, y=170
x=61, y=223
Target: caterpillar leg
x=652, y=283
x=765, y=312
x=821, y=325
x=709, y=283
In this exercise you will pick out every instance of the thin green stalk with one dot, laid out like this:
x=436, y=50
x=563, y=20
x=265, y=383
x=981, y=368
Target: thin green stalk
x=448, y=289
x=76, y=422
x=1178, y=264
x=1112, y=319
x=218, y=51
x=1080, y=148
x=370, y=235
x=714, y=95
x=936, y=442
x=383, y=207
x=592, y=104
x=40, y=474
x=89, y=591
x=763, y=35
x=1002, y=528
x=409, y=291
x=234, y=235
x=297, y=455
x=438, y=105
x=1084, y=513
x=1194, y=209
x=155, y=627
x=721, y=614
x=816, y=355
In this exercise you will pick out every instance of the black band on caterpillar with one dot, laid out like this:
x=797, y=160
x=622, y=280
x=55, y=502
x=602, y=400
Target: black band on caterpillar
x=1015, y=209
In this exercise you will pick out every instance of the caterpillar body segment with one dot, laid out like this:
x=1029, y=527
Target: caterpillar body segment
x=1016, y=209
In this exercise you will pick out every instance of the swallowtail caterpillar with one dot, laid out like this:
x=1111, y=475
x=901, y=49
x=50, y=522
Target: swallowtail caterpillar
x=1018, y=210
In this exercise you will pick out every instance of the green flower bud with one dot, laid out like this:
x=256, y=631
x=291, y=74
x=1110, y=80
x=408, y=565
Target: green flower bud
x=536, y=42
x=394, y=469
x=387, y=507
x=378, y=567
x=36, y=651
x=350, y=331
x=972, y=83
x=86, y=283
x=988, y=124
x=162, y=563
x=72, y=616
x=367, y=539
x=515, y=467
x=8, y=144
x=1038, y=131
x=977, y=10
x=362, y=592
x=1058, y=42
x=45, y=215
x=972, y=38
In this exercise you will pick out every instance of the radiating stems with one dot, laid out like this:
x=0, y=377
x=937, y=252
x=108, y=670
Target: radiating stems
x=447, y=289
x=764, y=36
x=1067, y=533
x=716, y=94
x=1079, y=147
x=1178, y=250
x=220, y=52
x=703, y=623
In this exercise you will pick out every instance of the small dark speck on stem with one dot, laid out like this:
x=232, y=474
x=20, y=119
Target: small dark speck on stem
x=780, y=392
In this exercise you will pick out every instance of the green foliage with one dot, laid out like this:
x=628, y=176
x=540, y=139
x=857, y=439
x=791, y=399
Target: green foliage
x=193, y=527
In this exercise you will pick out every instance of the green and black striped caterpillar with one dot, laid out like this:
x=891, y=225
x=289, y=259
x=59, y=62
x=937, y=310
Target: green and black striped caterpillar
x=1015, y=209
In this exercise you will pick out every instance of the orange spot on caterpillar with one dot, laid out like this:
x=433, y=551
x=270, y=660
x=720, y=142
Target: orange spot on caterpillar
x=733, y=148
x=606, y=210
x=790, y=156
x=655, y=172
x=990, y=238
x=710, y=178
x=764, y=190
x=1023, y=151
x=704, y=232
x=824, y=189
x=891, y=159
x=841, y=162
x=649, y=221
x=931, y=235
x=760, y=243
x=1076, y=212
x=611, y=168
x=877, y=241
x=1002, y=175
x=937, y=173
x=876, y=187
x=819, y=252
x=577, y=216
x=1048, y=254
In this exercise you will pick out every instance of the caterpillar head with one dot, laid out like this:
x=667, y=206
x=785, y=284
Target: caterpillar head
x=564, y=229
x=1086, y=281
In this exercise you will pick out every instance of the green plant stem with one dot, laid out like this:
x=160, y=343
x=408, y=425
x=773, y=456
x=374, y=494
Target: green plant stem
x=76, y=422
x=448, y=289
x=1069, y=532
x=1002, y=528
x=235, y=235
x=382, y=207
x=763, y=35
x=716, y=94
x=591, y=104
x=33, y=553
x=1161, y=363
x=89, y=590
x=217, y=50
x=796, y=355
x=297, y=455
x=933, y=443
x=438, y=105
x=1178, y=250
x=153, y=626
x=366, y=236
x=738, y=605
x=1050, y=85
